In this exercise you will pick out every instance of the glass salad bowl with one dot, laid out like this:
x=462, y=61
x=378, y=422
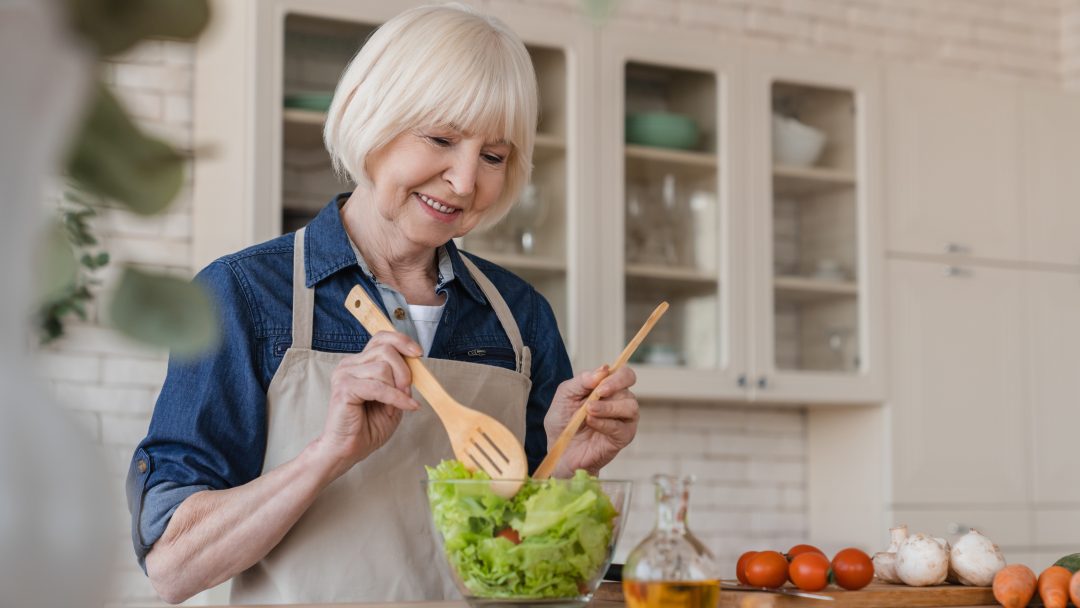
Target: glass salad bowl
x=549, y=545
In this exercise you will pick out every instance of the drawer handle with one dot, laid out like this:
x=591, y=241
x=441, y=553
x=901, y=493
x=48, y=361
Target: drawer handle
x=957, y=271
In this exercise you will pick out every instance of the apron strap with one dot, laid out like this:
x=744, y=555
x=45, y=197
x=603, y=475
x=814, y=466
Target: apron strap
x=521, y=352
x=303, y=301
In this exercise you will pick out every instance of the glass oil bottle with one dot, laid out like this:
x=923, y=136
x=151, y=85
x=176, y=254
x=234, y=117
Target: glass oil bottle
x=670, y=568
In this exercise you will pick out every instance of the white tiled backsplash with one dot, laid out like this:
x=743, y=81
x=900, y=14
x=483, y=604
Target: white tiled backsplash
x=749, y=466
x=749, y=461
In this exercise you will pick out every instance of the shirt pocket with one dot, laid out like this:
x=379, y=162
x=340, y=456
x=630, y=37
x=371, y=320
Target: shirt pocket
x=497, y=356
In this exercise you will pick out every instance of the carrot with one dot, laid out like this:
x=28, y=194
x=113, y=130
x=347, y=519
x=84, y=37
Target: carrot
x=1054, y=587
x=1074, y=588
x=1014, y=586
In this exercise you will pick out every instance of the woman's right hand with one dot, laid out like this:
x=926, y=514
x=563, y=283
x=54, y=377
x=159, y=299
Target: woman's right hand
x=369, y=391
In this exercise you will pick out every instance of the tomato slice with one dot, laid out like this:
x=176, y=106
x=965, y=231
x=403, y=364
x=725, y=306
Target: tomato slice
x=510, y=534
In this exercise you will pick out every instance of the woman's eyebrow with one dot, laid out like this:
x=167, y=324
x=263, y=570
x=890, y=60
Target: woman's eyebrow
x=501, y=141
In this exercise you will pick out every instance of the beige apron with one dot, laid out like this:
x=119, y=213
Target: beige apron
x=367, y=537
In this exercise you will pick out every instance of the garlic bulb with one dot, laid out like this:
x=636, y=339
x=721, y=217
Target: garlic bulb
x=976, y=559
x=922, y=561
x=885, y=561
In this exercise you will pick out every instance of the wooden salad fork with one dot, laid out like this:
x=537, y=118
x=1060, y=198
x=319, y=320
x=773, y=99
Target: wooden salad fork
x=555, y=451
x=478, y=440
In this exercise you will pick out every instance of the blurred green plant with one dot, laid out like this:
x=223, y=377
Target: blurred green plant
x=72, y=256
x=599, y=11
x=112, y=159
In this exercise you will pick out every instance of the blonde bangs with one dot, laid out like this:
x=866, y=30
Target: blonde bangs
x=438, y=66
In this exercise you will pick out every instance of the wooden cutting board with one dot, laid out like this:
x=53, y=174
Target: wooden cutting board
x=877, y=595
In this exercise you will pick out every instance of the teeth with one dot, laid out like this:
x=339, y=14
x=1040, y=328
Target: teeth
x=435, y=204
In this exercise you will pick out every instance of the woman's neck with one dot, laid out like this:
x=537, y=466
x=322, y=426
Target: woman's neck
x=394, y=260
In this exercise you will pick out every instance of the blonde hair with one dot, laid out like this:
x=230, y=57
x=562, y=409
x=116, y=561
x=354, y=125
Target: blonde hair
x=436, y=66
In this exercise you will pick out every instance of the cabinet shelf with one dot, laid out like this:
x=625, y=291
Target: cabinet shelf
x=683, y=158
x=808, y=289
x=802, y=181
x=547, y=146
x=303, y=128
x=518, y=262
x=676, y=280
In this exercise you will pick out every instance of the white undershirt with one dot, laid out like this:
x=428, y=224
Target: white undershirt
x=426, y=320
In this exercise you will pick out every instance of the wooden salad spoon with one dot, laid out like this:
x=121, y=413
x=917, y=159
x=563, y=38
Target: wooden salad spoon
x=556, y=451
x=478, y=440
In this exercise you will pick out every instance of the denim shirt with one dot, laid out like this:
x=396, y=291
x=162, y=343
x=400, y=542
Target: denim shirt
x=208, y=429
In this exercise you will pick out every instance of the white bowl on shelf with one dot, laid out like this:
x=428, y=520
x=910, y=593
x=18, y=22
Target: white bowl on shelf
x=795, y=144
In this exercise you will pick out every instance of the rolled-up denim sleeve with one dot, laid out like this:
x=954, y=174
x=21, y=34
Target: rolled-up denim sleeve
x=208, y=429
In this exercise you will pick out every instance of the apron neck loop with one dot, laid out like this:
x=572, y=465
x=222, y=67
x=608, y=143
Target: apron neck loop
x=506, y=318
x=303, y=304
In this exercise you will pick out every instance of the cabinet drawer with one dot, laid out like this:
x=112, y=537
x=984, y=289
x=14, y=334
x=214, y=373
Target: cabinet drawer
x=1006, y=527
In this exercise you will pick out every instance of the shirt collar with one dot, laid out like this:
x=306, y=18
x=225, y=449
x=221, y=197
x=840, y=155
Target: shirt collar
x=328, y=250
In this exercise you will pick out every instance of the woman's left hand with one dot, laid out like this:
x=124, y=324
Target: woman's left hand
x=609, y=426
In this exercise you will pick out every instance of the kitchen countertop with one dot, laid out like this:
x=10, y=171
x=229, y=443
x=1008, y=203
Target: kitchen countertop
x=458, y=604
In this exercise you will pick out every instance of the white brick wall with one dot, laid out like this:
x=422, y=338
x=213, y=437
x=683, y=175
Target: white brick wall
x=1070, y=43
x=749, y=465
x=749, y=461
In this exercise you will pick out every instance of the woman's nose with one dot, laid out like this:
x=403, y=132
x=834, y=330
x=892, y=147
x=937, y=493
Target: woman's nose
x=461, y=174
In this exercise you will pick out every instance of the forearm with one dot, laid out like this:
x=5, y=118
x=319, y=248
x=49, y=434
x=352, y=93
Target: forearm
x=215, y=535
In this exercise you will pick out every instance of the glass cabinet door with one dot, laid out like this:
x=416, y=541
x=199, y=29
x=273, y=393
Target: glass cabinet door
x=316, y=52
x=671, y=186
x=670, y=216
x=820, y=256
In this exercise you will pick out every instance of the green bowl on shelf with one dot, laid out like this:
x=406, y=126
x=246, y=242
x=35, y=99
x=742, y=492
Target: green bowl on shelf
x=662, y=130
x=317, y=101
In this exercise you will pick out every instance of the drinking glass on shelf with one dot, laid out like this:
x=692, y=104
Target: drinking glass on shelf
x=636, y=222
x=526, y=217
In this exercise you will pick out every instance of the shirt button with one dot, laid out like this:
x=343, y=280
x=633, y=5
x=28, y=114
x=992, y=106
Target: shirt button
x=399, y=314
x=141, y=465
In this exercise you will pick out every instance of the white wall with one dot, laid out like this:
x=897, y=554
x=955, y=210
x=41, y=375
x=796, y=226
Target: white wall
x=750, y=462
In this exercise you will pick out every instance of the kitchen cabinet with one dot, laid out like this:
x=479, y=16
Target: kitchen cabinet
x=953, y=152
x=773, y=269
x=677, y=212
x=1051, y=184
x=958, y=423
x=815, y=245
x=1053, y=388
x=302, y=48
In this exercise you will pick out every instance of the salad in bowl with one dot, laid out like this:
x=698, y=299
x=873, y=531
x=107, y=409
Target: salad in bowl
x=550, y=544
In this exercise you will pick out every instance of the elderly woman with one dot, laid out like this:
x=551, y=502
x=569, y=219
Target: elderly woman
x=288, y=458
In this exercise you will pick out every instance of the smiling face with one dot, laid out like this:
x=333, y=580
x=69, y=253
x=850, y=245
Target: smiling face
x=433, y=184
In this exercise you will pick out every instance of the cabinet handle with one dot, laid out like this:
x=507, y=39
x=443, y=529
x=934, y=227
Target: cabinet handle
x=957, y=248
x=742, y=380
x=762, y=382
x=957, y=271
x=957, y=528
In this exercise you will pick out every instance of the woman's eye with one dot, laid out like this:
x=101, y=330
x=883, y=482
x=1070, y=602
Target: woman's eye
x=439, y=141
x=494, y=159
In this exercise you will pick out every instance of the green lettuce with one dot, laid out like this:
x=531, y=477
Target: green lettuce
x=565, y=528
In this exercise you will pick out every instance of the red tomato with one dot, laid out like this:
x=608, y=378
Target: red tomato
x=767, y=569
x=800, y=549
x=740, y=568
x=852, y=569
x=809, y=571
x=509, y=534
